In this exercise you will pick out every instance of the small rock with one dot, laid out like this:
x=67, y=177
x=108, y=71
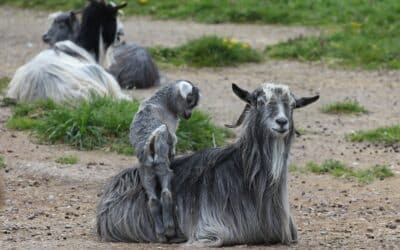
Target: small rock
x=370, y=236
x=370, y=229
x=391, y=226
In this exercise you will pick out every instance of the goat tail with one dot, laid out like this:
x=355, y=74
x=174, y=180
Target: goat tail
x=120, y=213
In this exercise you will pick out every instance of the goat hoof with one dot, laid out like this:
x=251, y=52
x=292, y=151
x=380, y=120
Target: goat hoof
x=161, y=238
x=177, y=239
x=169, y=231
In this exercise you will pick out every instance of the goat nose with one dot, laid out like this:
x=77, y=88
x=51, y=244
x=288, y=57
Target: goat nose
x=45, y=38
x=281, y=121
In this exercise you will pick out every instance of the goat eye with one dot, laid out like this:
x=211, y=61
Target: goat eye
x=260, y=102
x=189, y=99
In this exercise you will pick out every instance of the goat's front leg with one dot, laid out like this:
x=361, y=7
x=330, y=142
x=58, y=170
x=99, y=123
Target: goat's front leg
x=165, y=175
x=149, y=181
x=293, y=230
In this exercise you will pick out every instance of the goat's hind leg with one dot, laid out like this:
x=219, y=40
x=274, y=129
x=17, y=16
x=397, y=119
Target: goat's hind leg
x=149, y=182
x=165, y=175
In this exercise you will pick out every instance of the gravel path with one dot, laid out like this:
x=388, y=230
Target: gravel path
x=48, y=205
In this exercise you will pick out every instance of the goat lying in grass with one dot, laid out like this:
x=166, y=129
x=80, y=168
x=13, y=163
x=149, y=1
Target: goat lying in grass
x=130, y=64
x=69, y=70
x=236, y=194
x=153, y=137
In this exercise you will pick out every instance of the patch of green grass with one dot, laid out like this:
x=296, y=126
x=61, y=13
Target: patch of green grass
x=2, y=162
x=3, y=84
x=338, y=169
x=21, y=123
x=373, y=49
x=345, y=107
x=308, y=12
x=366, y=31
x=199, y=132
x=366, y=35
x=104, y=123
x=388, y=135
x=208, y=51
x=67, y=160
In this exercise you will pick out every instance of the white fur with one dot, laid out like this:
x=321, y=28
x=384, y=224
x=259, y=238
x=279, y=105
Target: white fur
x=270, y=87
x=185, y=88
x=161, y=129
x=278, y=158
x=56, y=75
x=54, y=15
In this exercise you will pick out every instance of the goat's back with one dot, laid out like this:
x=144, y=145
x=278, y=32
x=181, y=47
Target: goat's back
x=133, y=66
x=63, y=73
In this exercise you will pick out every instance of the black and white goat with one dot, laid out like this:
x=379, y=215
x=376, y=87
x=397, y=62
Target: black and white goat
x=153, y=135
x=69, y=70
x=237, y=194
x=130, y=64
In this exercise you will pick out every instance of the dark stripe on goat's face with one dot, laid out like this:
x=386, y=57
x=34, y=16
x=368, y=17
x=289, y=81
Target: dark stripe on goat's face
x=193, y=98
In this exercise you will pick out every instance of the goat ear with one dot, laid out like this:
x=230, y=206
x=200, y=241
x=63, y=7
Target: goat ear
x=242, y=94
x=304, y=101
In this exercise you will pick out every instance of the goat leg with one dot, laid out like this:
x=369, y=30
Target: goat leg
x=165, y=175
x=148, y=179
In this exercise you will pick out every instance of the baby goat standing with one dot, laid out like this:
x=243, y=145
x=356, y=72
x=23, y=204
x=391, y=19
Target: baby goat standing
x=153, y=137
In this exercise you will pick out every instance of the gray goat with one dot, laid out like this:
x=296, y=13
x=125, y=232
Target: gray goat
x=130, y=64
x=236, y=194
x=152, y=134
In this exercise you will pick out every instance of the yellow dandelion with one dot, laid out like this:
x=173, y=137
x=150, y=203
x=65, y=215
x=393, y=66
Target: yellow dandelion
x=245, y=46
x=356, y=25
x=143, y=1
x=225, y=41
x=233, y=41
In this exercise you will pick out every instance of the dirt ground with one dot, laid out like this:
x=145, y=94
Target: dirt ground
x=48, y=205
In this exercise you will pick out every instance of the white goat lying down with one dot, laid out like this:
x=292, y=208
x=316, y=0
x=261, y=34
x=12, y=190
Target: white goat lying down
x=130, y=64
x=237, y=194
x=67, y=71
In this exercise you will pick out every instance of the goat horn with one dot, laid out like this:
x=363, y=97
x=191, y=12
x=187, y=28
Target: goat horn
x=241, y=117
x=122, y=5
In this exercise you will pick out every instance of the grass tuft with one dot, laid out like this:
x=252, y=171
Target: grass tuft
x=208, y=51
x=388, y=135
x=2, y=162
x=345, y=107
x=3, y=84
x=104, y=123
x=67, y=160
x=338, y=169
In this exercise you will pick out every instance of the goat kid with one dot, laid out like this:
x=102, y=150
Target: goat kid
x=153, y=136
x=236, y=194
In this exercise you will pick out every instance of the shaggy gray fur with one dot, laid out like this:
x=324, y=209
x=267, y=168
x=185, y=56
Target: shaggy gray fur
x=224, y=196
x=153, y=136
x=133, y=66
